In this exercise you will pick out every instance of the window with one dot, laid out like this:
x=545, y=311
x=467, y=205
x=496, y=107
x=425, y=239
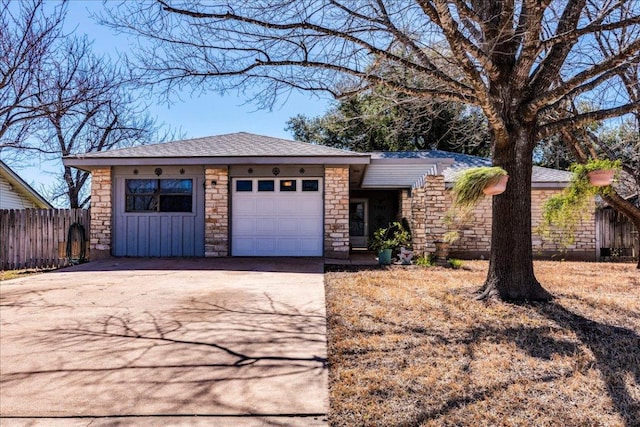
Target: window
x=266, y=185
x=309, y=185
x=288, y=185
x=158, y=195
x=244, y=185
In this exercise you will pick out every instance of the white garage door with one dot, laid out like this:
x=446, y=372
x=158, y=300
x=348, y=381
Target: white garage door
x=276, y=217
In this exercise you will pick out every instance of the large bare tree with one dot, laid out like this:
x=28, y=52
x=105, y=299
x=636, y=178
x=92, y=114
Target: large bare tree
x=57, y=98
x=518, y=60
x=104, y=113
x=27, y=39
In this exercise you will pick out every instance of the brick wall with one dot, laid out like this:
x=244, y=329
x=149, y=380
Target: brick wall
x=430, y=203
x=101, y=213
x=336, y=212
x=216, y=212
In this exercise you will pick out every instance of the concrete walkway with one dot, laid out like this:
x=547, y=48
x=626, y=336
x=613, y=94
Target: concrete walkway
x=166, y=342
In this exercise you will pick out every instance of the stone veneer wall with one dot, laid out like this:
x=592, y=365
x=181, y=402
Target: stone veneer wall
x=101, y=213
x=216, y=212
x=430, y=203
x=584, y=247
x=336, y=212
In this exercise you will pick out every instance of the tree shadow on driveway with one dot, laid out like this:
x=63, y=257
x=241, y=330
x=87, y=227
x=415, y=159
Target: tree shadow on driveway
x=199, y=358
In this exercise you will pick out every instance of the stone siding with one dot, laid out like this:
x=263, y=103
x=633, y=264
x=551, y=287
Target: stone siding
x=336, y=212
x=216, y=212
x=584, y=247
x=101, y=213
x=430, y=203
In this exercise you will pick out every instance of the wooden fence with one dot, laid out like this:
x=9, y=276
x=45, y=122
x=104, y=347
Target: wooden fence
x=616, y=236
x=42, y=238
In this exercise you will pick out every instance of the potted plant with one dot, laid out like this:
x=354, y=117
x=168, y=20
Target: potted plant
x=385, y=240
x=601, y=171
x=473, y=183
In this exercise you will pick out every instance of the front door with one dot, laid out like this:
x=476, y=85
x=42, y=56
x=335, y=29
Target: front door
x=358, y=223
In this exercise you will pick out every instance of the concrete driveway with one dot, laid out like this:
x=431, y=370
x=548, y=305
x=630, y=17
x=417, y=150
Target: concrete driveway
x=159, y=341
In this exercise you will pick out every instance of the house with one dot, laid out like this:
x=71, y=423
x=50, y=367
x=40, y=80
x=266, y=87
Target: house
x=15, y=193
x=250, y=195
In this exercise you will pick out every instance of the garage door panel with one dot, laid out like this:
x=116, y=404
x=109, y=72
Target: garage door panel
x=244, y=206
x=287, y=226
x=288, y=246
x=311, y=204
x=243, y=246
x=286, y=223
x=266, y=205
x=265, y=246
x=290, y=206
x=311, y=226
x=245, y=225
x=266, y=225
x=310, y=245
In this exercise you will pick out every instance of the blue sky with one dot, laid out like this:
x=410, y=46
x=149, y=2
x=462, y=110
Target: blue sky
x=209, y=114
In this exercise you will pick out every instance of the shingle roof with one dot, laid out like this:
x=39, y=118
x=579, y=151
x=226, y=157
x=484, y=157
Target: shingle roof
x=464, y=161
x=239, y=144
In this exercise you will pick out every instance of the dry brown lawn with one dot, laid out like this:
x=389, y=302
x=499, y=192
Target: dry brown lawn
x=411, y=347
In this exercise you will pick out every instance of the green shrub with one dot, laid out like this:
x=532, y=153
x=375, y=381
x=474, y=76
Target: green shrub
x=455, y=263
x=427, y=260
x=391, y=237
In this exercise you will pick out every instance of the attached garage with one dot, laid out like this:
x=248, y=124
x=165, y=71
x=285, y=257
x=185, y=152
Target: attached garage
x=238, y=194
x=276, y=216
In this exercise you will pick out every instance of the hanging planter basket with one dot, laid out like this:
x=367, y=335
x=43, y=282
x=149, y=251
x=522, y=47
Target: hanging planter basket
x=602, y=177
x=497, y=186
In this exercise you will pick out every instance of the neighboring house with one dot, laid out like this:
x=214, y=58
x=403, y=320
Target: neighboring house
x=250, y=195
x=17, y=194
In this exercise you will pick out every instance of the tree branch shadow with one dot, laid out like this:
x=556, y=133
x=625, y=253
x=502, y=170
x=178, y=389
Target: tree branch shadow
x=198, y=348
x=615, y=350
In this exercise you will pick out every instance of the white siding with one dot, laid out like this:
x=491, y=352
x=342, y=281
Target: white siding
x=396, y=175
x=11, y=199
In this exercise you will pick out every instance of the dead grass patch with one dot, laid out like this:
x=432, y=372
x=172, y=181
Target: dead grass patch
x=411, y=347
x=15, y=274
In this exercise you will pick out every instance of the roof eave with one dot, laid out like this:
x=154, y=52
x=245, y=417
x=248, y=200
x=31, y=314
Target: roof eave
x=88, y=163
x=24, y=188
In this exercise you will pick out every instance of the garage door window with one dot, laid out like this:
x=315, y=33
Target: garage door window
x=244, y=185
x=288, y=185
x=309, y=185
x=159, y=195
x=266, y=185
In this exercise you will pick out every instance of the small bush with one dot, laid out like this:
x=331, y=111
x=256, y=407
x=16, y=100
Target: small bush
x=455, y=263
x=427, y=260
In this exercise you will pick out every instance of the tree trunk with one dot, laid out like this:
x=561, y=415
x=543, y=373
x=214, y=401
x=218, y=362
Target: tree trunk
x=511, y=276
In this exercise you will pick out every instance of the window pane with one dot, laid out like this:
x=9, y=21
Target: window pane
x=309, y=185
x=141, y=186
x=141, y=204
x=288, y=185
x=176, y=186
x=244, y=185
x=175, y=203
x=266, y=186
